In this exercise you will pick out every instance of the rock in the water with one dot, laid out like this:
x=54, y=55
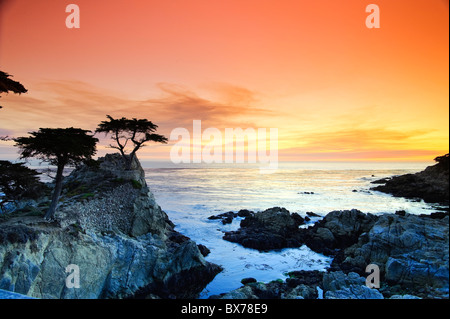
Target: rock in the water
x=227, y=218
x=301, y=287
x=203, y=250
x=431, y=185
x=274, y=228
x=337, y=230
x=245, y=213
x=248, y=280
x=311, y=214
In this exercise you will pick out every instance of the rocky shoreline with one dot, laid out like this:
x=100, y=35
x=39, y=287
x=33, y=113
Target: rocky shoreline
x=411, y=252
x=109, y=225
x=431, y=184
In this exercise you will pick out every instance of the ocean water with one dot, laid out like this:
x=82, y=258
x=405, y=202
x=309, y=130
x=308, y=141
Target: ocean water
x=189, y=194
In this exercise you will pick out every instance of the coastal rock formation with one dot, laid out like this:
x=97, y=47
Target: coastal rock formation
x=431, y=185
x=338, y=285
x=274, y=228
x=337, y=230
x=411, y=251
x=306, y=285
x=227, y=217
x=299, y=285
x=277, y=228
x=111, y=228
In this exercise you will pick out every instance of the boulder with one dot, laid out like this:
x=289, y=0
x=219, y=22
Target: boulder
x=248, y=280
x=227, y=218
x=337, y=230
x=274, y=228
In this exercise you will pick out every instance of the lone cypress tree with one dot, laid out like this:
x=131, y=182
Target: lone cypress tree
x=124, y=130
x=59, y=147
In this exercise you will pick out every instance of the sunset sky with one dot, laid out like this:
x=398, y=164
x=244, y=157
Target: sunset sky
x=335, y=89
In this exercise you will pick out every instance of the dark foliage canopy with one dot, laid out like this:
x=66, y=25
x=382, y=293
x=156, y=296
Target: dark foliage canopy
x=18, y=181
x=58, y=146
x=123, y=130
x=8, y=85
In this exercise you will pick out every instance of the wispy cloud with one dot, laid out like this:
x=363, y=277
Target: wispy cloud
x=74, y=103
x=78, y=104
x=178, y=106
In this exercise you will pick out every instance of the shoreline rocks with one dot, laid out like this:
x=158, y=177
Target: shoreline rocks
x=337, y=230
x=274, y=228
x=123, y=243
x=227, y=218
x=307, y=285
x=411, y=251
x=299, y=285
x=431, y=184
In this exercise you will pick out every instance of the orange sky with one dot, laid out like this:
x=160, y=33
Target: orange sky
x=335, y=89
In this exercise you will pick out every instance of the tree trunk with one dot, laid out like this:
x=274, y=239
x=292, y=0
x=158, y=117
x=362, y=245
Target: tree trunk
x=130, y=159
x=127, y=160
x=56, y=193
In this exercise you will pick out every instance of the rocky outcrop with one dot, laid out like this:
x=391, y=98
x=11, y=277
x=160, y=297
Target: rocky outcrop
x=411, y=251
x=274, y=228
x=337, y=230
x=277, y=228
x=108, y=198
x=111, y=228
x=299, y=285
x=227, y=218
x=431, y=185
x=306, y=285
x=338, y=285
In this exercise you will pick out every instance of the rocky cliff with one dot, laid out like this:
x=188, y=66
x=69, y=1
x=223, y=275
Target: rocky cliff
x=110, y=227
